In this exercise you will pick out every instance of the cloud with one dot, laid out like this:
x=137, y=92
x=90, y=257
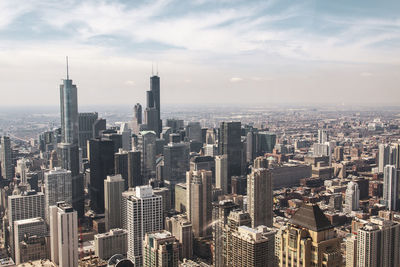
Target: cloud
x=365, y=74
x=236, y=79
x=131, y=83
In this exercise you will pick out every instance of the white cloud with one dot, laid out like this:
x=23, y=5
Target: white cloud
x=365, y=74
x=130, y=83
x=236, y=79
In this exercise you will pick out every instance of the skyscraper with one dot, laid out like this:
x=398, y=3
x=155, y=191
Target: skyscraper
x=64, y=235
x=58, y=185
x=176, y=162
x=221, y=173
x=259, y=197
x=69, y=146
x=391, y=187
x=101, y=160
x=24, y=206
x=181, y=228
x=229, y=143
x=322, y=136
x=144, y=215
x=155, y=89
x=161, y=249
x=193, y=131
x=113, y=188
x=99, y=126
x=121, y=165
x=378, y=244
x=134, y=169
x=199, y=196
x=383, y=156
x=352, y=197
x=147, y=147
x=320, y=248
x=7, y=168
x=126, y=134
x=86, y=122
x=137, y=118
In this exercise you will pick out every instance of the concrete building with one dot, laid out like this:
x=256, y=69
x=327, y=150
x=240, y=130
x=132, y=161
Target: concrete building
x=259, y=197
x=378, y=244
x=64, y=235
x=199, y=196
x=180, y=227
x=310, y=240
x=193, y=131
x=24, y=229
x=147, y=147
x=33, y=248
x=289, y=174
x=110, y=243
x=352, y=200
x=181, y=197
x=58, y=184
x=176, y=162
x=144, y=215
x=253, y=247
x=86, y=122
x=221, y=173
x=351, y=250
x=113, y=188
x=126, y=134
x=160, y=249
x=391, y=188
x=24, y=206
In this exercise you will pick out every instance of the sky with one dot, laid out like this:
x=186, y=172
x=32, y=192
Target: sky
x=205, y=51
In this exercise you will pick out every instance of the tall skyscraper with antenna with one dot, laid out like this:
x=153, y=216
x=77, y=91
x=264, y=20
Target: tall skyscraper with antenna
x=69, y=147
x=152, y=111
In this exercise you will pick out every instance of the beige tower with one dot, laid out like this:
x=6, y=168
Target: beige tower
x=113, y=188
x=309, y=240
x=199, y=197
x=259, y=197
x=180, y=227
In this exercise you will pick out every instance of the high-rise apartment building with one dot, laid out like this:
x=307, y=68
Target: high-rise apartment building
x=259, y=197
x=391, y=188
x=126, y=134
x=378, y=244
x=101, y=161
x=199, y=197
x=309, y=240
x=144, y=215
x=27, y=205
x=352, y=200
x=229, y=143
x=110, y=243
x=322, y=136
x=221, y=173
x=160, y=249
x=383, y=156
x=99, y=126
x=7, y=168
x=193, y=131
x=64, y=235
x=113, y=188
x=86, y=122
x=180, y=227
x=58, y=184
x=253, y=247
x=25, y=228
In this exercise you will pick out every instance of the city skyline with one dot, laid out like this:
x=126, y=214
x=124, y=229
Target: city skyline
x=278, y=51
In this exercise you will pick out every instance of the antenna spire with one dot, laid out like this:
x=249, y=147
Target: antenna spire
x=67, y=69
x=152, y=69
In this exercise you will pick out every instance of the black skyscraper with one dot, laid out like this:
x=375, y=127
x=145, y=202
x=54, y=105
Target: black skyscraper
x=134, y=169
x=229, y=143
x=101, y=159
x=153, y=122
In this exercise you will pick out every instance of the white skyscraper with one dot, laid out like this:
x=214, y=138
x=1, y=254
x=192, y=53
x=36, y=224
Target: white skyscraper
x=126, y=137
x=378, y=244
x=221, y=173
x=384, y=155
x=322, y=136
x=64, y=235
x=391, y=187
x=113, y=188
x=58, y=183
x=25, y=206
x=144, y=215
x=352, y=200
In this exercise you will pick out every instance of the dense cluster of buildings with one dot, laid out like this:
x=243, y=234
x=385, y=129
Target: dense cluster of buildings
x=154, y=193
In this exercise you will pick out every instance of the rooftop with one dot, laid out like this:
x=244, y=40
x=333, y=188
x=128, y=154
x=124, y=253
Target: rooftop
x=310, y=216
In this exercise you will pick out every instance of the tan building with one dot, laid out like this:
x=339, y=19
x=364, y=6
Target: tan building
x=160, y=249
x=180, y=227
x=180, y=197
x=253, y=247
x=309, y=240
x=34, y=248
x=199, y=197
x=110, y=243
x=259, y=197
